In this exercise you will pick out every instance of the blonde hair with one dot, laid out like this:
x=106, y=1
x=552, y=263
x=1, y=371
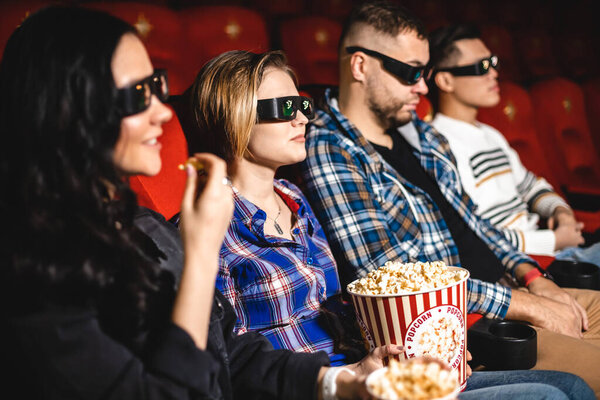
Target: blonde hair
x=224, y=98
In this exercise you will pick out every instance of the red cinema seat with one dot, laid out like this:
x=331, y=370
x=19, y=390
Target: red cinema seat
x=565, y=134
x=425, y=109
x=163, y=192
x=578, y=54
x=212, y=30
x=160, y=30
x=500, y=42
x=591, y=91
x=336, y=9
x=12, y=13
x=278, y=8
x=311, y=46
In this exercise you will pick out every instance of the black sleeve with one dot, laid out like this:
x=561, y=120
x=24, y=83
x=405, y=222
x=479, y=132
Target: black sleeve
x=260, y=372
x=66, y=355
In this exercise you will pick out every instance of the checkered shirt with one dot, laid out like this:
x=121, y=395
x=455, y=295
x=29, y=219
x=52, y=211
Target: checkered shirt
x=371, y=214
x=276, y=285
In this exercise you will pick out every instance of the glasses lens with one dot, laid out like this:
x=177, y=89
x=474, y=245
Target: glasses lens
x=307, y=108
x=161, y=85
x=288, y=108
x=142, y=94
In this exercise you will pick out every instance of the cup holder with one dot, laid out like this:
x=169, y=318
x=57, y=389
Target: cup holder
x=575, y=274
x=502, y=345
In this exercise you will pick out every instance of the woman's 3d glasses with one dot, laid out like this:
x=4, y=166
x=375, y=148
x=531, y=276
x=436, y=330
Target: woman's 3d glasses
x=136, y=98
x=481, y=67
x=406, y=72
x=284, y=108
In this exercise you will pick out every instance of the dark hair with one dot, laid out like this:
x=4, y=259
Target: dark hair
x=383, y=16
x=65, y=240
x=443, y=51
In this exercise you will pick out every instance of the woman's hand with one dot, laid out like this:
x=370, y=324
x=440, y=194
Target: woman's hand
x=206, y=207
x=206, y=210
x=353, y=386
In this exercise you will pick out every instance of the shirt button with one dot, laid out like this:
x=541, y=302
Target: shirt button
x=296, y=231
x=309, y=260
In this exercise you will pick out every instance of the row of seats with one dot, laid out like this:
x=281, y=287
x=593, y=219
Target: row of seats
x=183, y=40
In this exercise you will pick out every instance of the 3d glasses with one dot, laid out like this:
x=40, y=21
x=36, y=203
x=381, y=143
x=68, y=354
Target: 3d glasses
x=284, y=108
x=135, y=98
x=481, y=67
x=406, y=72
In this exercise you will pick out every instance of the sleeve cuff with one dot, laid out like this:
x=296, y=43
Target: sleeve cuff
x=173, y=353
x=490, y=299
x=307, y=366
x=541, y=242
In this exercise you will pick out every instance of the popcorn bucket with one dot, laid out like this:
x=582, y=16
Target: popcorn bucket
x=430, y=322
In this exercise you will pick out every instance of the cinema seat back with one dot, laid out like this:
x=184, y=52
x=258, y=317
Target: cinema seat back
x=212, y=30
x=310, y=43
x=163, y=192
x=564, y=132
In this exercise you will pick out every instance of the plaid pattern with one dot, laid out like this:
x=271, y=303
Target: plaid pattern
x=372, y=215
x=276, y=285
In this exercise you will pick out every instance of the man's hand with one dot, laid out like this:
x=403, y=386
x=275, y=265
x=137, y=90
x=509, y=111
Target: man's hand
x=545, y=313
x=568, y=235
x=561, y=217
x=546, y=288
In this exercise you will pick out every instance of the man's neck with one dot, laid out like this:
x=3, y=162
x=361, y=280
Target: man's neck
x=459, y=111
x=354, y=108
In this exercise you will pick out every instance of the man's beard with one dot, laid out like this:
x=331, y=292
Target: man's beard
x=386, y=111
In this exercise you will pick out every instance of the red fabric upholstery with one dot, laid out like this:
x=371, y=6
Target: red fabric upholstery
x=591, y=90
x=564, y=132
x=514, y=118
x=425, y=109
x=500, y=42
x=472, y=318
x=12, y=13
x=278, y=8
x=212, y=30
x=311, y=46
x=160, y=30
x=336, y=9
x=163, y=192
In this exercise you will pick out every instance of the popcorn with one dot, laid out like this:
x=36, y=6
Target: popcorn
x=417, y=379
x=441, y=339
x=404, y=278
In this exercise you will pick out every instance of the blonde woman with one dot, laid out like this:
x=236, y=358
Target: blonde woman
x=276, y=267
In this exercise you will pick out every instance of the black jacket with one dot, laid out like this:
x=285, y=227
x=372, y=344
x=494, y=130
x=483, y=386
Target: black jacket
x=64, y=354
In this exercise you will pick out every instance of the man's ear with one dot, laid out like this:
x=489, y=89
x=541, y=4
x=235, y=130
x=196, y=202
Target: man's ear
x=444, y=81
x=357, y=66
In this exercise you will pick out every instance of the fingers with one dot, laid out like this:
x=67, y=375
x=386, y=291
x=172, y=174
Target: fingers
x=190, y=188
x=583, y=313
x=551, y=223
x=469, y=356
x=382, y=352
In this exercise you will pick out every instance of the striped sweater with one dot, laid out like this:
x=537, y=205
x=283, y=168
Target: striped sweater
x=506, y=193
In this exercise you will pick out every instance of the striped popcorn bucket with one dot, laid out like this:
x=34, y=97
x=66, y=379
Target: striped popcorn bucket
x=430, y=322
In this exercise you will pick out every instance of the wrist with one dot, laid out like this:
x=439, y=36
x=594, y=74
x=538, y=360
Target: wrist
x=329, y=382
x=530, y=276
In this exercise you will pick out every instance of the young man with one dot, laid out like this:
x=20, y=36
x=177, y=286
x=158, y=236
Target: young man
x=506, y=193
x=381, y=199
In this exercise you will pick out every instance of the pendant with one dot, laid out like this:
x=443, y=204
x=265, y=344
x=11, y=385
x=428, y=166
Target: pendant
x=277, y=228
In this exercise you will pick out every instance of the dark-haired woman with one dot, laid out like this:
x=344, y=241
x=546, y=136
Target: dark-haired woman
x=87, y=310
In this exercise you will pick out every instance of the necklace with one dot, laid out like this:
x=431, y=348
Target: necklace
x=275, y=224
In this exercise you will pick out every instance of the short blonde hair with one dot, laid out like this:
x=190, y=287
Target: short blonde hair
x=224, y=98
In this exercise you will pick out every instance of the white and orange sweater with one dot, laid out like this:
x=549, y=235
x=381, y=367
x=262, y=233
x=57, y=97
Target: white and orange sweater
x=505, y=192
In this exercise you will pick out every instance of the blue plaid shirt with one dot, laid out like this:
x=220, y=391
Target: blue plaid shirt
x=275, y=285
x=371, y=214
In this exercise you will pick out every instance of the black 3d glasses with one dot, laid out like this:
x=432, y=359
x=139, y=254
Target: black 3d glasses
x=406, y=72
x=481, y=67
x=284, y=108
x=136, y=98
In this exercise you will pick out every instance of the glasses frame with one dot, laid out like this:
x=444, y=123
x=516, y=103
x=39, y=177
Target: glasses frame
x=479, y=68
x=129, y=96
x=272, y=109
x=406, y=72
